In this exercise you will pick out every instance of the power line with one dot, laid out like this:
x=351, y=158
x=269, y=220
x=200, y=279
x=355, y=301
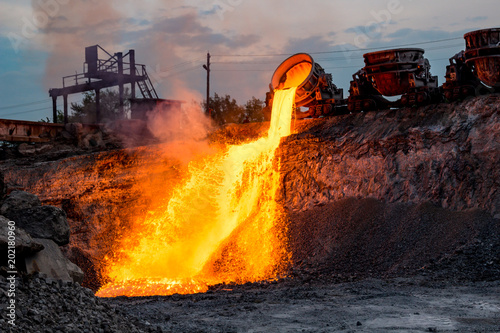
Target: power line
x=326, y=67
x=25, y=104
x=182, y=64
x=340, y=51
x=243, y=62
x=22, y=112
x=443, y=47
x=392, y=46
x=161, y=76
x=344, y=67
x=321, y=59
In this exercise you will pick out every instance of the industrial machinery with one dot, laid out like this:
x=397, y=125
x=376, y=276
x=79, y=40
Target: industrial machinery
x=315, y=89
x=460, y=79
x=403, y=74
x=394, y=72
x=482, y=54
x=119, y=69
x=477, y=70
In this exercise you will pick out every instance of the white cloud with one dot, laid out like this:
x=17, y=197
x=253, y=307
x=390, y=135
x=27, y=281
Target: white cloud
x=166, y=33
x=11, y=15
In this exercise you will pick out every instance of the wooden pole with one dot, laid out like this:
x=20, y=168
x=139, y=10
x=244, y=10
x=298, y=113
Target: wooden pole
x=207, y=68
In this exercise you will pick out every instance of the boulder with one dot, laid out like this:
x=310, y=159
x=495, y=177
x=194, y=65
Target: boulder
x=91, y=140
x=24, y=244
x=19, y=200
x=74, y=129
x=39, y=221
x=52, y=263
x=26, y=149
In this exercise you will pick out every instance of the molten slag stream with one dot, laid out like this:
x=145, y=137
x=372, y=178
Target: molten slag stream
x=229, y=200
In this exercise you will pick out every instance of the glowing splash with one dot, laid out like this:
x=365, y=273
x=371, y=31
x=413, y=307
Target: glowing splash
x=222, y=225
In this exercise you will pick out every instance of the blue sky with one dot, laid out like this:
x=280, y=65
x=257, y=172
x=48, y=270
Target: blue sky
x=42, y=41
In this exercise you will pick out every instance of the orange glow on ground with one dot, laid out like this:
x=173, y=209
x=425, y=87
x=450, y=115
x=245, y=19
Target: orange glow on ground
x=222, y=225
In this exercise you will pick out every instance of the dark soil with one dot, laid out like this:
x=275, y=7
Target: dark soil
x=359, y=265
x=360, y=238
x=369, y=305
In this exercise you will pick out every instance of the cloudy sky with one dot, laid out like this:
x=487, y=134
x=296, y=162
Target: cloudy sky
x=43, y=40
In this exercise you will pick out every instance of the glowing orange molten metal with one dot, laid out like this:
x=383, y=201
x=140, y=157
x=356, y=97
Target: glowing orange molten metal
x=221, y=225
x=296, y=75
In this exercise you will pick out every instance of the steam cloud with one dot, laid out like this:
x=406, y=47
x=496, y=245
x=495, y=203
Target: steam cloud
x=184, y=130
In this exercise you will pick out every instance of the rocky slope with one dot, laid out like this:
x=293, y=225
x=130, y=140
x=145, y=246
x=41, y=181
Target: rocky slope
x=101, y=192
x=447, y=154
x=360, y=238
x=418, y=163
x=408, y=196
x=46, y=305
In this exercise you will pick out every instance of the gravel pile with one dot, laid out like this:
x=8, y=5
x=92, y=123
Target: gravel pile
x=45, y=305
x=365, y=238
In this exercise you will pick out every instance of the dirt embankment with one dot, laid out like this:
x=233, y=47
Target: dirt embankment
x=393, y=225
x=428, y=167
x=360, y=238
x=447, y=154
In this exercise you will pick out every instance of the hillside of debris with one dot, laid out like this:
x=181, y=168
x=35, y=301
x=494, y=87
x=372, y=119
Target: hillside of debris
x=354, y=239
x=447, y=154
x=392, y=222
x=387, y=193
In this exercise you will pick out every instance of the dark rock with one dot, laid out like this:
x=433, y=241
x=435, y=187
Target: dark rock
x=91, y=140
x=26, y=149
x=19, y=200
x=446, y=154
x=44, y=148
x=371, y=238
x=51, y=262
x=42, y=306
x=46, y=222
x=66, y=135
x=74, y=129
x=24, y=244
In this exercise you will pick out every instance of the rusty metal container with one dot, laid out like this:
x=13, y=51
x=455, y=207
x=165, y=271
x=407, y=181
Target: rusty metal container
x=482, y=53
x=395, y=72
x=313, y=84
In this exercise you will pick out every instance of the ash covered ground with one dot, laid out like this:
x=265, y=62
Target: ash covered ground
x=358, y=266
x=424, y=259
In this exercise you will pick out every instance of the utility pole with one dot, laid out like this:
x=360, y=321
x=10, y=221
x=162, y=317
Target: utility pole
x=207, y=68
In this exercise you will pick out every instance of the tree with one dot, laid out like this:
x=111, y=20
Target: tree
x=85, y=112
x=60, y=118
x=226, y=110
x=253, y=110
